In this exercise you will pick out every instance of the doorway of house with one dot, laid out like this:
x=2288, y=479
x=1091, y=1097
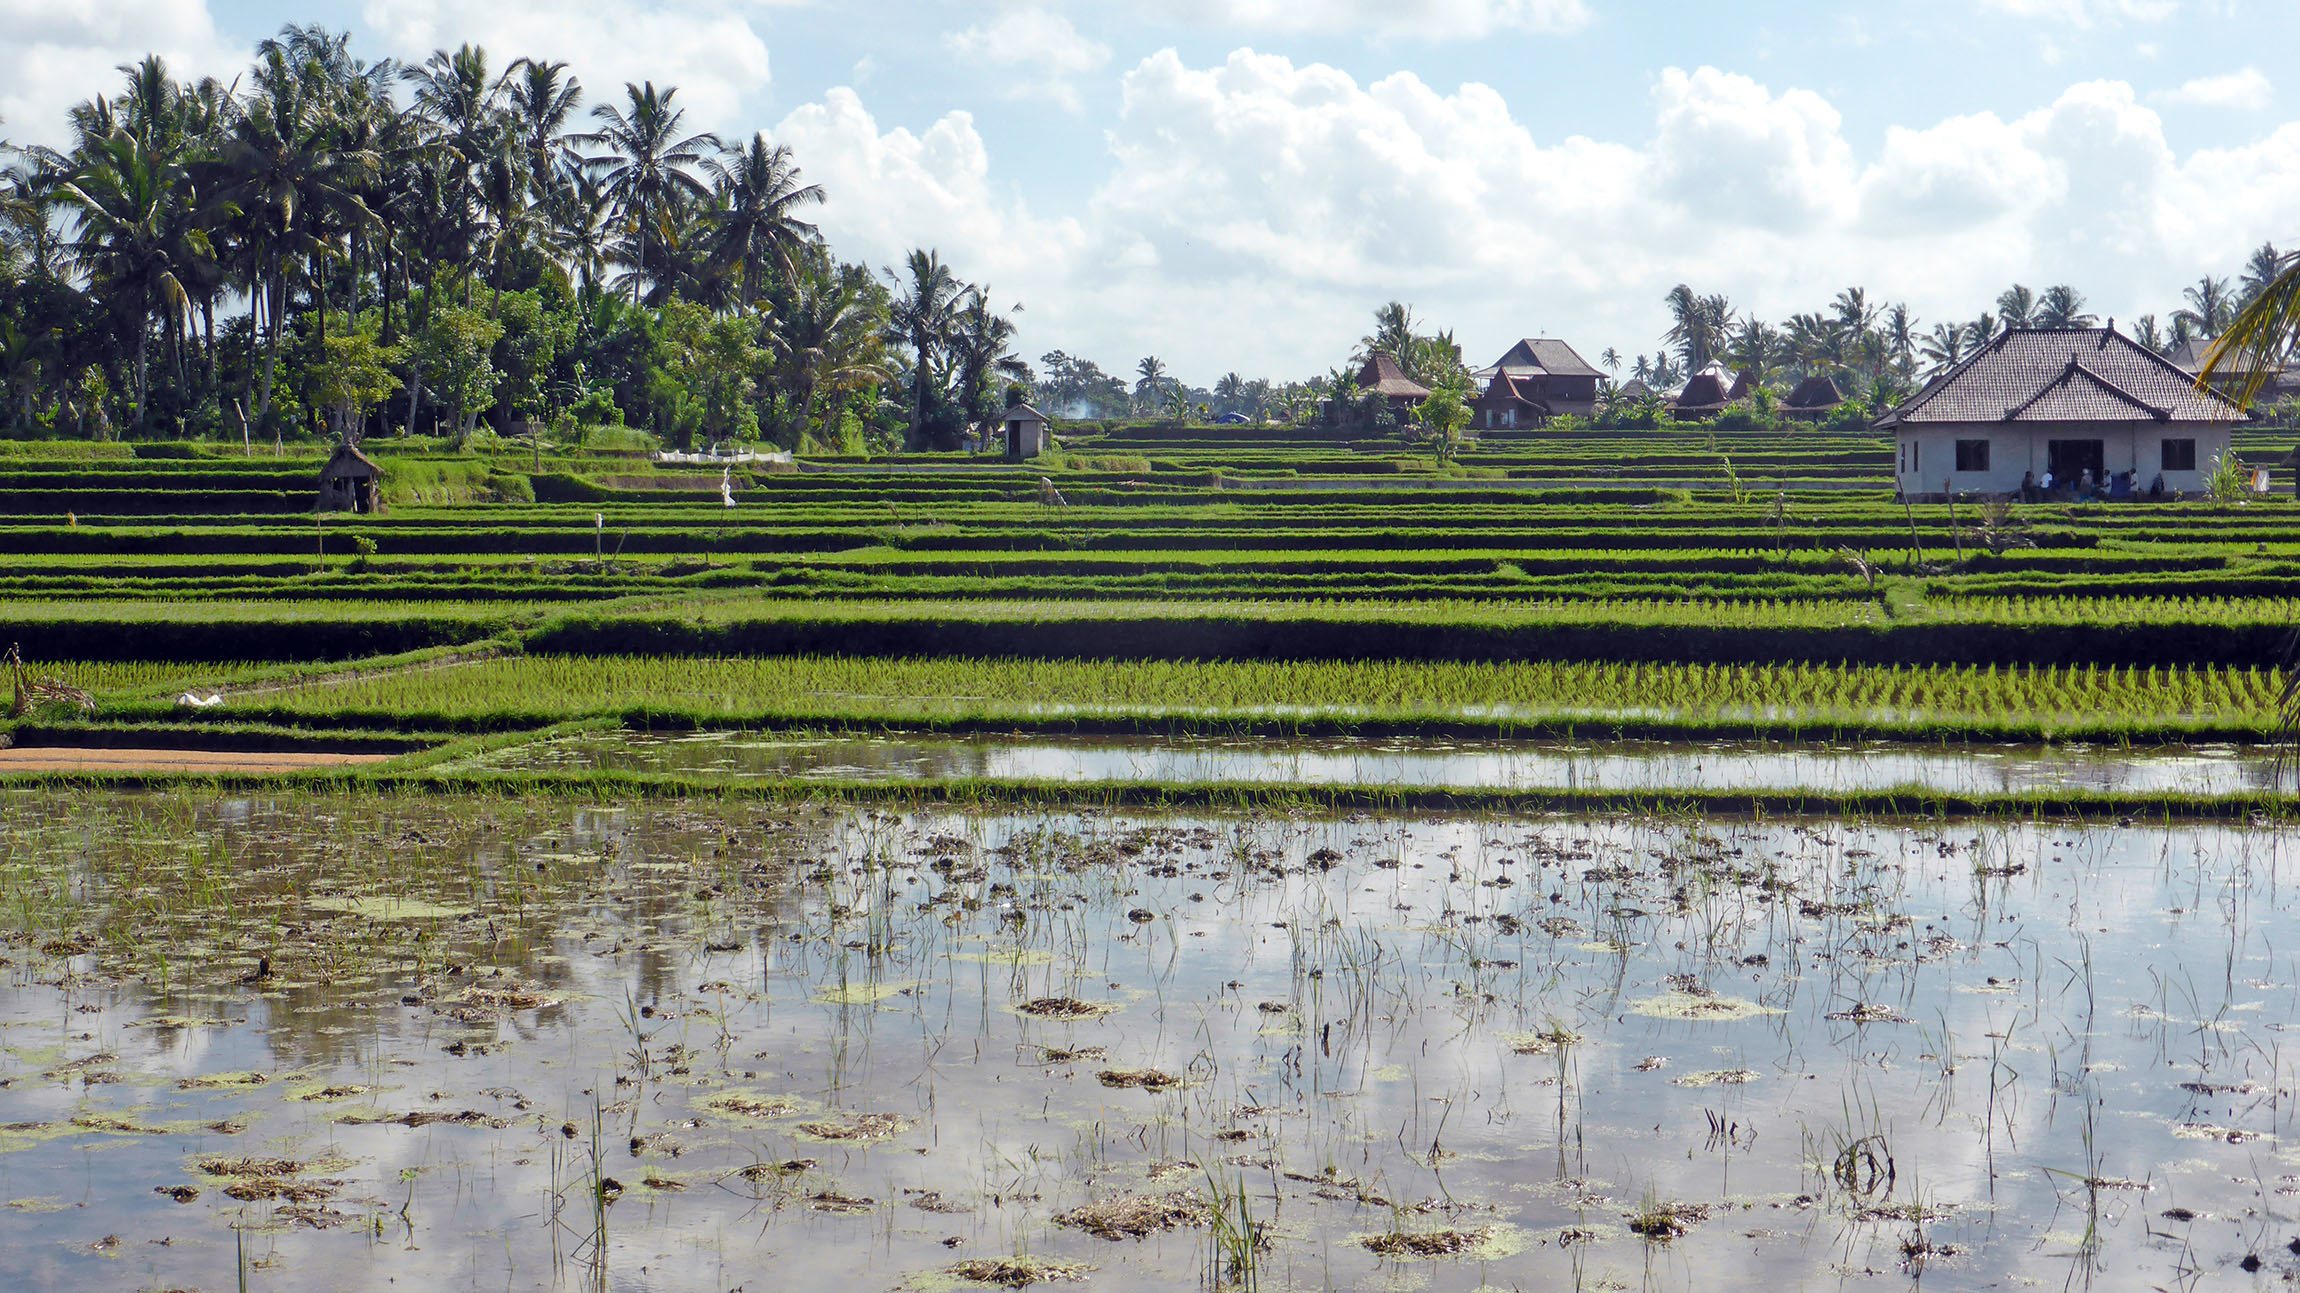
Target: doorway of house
x=2068, y=460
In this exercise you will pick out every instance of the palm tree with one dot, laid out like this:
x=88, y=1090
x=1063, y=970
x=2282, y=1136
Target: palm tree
x=922, y=318
x=1393, y=333
x=1981, y=331
x=2260, y=272
x=647, y=166
x=1755, y=349
x=982, y=352
x=1853, y=310
x=2210, y=309
x=127, y=241
x=2062, y=306
x=756, y=225
x=1943, y=348
x=1900, y=334
x=2017, y=305
x=2257, y=341
x=1697, y=326
x=281, y=176
x=1610, y=359
x=541, y=100
x=828, y=341
x=1152, y=371
x=2148, y=332
x=1229, y=392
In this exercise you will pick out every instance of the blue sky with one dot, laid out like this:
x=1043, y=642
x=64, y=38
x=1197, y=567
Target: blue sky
x=1237, y=184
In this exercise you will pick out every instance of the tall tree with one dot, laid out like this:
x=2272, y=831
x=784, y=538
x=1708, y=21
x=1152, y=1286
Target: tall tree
x=2062, y=306
x=2210, y=308
x=756, y=229
x=2017, y=306
x=647, y=167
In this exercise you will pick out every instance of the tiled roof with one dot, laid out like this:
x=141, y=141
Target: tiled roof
x=1545, y=355
x=1382, y=376
x=1023, y=412
x=2063, y=375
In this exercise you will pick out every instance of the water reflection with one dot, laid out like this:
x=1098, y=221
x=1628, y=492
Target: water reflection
x=815, y=1046
x=1629, y=766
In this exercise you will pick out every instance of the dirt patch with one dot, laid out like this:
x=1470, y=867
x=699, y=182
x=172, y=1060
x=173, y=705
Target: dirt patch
x=758, y=1172
x=1132, y=1216
x=78, y=758
x=831, y=1200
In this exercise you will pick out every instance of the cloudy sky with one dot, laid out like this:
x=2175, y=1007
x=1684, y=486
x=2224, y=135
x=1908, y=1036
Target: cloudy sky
x=1237, y=184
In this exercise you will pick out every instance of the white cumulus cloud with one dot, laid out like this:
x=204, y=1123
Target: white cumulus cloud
x=710, y=51
x=61, y=52
x=2086, y=13
x=1031, y=53
x=1432, y=20
x=2247, y=90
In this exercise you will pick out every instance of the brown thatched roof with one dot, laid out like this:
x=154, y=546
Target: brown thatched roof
x=1704, y=392
x=1633, y=389
x=345, y=458
x=1382, y=375
x=1815, y=394
x=2063, y=375
x=1743, y=383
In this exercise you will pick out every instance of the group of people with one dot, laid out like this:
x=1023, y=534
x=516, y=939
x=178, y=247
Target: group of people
x=2117, y=487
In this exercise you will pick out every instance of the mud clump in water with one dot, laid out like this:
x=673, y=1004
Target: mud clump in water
x=758, y=1172
x=1427, y=1243
x=1138, y=1079
x=1662, y=1222
x=256, y=1179
x=1132, y=1216
x=1063, y=1008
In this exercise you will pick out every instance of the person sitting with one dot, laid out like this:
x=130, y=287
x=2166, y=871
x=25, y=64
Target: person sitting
x=2156, y=488
x=2044, y=487
x=2120, y=487
x=2028, y=487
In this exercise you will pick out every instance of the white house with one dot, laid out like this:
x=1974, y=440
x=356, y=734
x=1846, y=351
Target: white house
x=1025, y=431
x=2058, y=400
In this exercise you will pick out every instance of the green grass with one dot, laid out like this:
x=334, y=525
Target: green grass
x=1445, y=695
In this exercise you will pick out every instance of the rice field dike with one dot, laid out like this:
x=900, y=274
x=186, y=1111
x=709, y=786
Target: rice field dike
x=1169, y=587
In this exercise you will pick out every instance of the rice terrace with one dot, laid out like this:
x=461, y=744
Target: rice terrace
x=563, y=736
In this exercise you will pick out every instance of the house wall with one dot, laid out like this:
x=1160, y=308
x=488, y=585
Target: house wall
x=2021, y=449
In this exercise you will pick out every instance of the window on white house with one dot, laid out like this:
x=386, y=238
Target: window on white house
x=1972, y=455
x=2179, y=455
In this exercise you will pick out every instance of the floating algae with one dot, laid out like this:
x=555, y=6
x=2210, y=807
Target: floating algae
x=863, y=994
x=1689, y=1005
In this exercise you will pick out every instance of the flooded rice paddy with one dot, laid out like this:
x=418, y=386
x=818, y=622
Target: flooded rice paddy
x=1614, y=766
x=368, y=1043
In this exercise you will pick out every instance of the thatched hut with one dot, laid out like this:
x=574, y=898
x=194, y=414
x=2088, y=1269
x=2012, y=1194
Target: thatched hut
x=1382, y=375
x=1705, y=393
x=350, y=482
x=1814, y=398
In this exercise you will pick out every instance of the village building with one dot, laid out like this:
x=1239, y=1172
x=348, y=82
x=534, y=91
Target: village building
x=2279, y=384
x=1025, y=431
x=1705, y=394
x=2071, y=402
x=1815, y=398
x=350, y=482
x=1633, y=389
x=1535, y=380
x=1382, y=375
